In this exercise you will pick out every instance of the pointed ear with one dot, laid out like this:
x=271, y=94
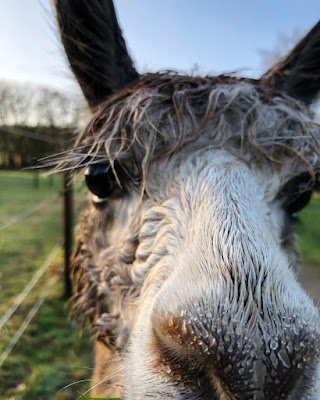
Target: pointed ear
x=298, y=73
x=95, y=48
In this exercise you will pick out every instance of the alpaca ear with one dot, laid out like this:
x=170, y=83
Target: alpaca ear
x=298, y=73
x=95, y=48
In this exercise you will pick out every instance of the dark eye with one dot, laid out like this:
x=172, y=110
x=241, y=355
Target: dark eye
x=297, y=193
x=101, y=180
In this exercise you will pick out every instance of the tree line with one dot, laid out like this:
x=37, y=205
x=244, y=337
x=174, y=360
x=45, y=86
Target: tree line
x=35, y=122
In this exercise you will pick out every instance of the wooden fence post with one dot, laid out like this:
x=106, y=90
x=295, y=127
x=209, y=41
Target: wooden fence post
x=68, y=229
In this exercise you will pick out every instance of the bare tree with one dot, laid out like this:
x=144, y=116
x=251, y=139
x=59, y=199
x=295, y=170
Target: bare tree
x=35, y=111
x=26, y=105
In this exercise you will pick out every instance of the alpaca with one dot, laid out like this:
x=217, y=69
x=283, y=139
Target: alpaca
x=187, y=256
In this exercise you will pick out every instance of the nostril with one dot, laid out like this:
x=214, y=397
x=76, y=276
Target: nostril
x=183, y=366
x=179, y=336
x=236, y=362
x=287, y=364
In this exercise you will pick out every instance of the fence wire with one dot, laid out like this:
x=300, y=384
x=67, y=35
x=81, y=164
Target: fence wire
x=18, y=220
x=29, y=286
x=28, y=319
x=32, y=210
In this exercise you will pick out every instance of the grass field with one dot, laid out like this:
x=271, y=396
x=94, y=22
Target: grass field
x=309, y=232
x=52, y=354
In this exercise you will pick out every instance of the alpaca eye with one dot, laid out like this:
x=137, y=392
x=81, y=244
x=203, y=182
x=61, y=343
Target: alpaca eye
x=297, y=193
x=298, y=202
x=100, y=180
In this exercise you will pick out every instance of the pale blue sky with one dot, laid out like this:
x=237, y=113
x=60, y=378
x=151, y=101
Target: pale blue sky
x=219, y=36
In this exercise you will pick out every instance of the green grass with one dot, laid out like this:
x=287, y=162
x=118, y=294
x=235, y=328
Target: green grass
x=309, y=232
x=51, y=354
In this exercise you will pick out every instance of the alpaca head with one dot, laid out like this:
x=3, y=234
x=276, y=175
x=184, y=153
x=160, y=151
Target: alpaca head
x=186, y=257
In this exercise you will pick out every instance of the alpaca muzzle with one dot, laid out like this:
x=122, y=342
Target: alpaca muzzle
x=232, y=360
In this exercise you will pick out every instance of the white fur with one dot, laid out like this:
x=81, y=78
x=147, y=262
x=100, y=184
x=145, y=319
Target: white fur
x=217, y=220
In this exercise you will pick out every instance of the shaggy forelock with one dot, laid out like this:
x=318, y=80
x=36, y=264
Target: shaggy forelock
x=160, y=113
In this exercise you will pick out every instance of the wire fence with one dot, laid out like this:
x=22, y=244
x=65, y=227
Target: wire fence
x=31, y=135
x=35, y=308
x=34, y=273
x=26, y=214
x=27, y=295
x=30, y=285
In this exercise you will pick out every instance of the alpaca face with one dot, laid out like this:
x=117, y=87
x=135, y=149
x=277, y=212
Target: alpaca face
x=186, y=259
x=192, y=280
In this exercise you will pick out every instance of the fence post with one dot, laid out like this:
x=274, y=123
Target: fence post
x=68, y=229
